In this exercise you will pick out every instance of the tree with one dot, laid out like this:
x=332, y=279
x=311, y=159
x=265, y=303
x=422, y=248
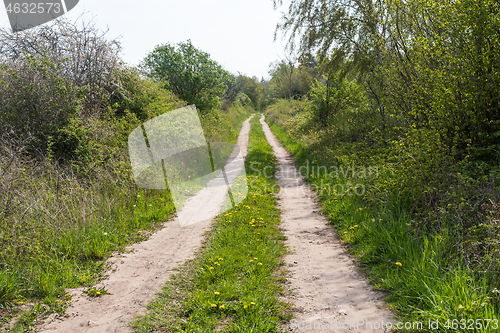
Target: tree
x=429, y=65
x=189, y=73
x=333, y=95
x=84, y=55
x=288, y=81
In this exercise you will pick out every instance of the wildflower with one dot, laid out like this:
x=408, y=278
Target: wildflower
x=356, y=226
x=399, y=264
x=216, y=263
x=253, y=303
x=345, y=232
x=214, y=305
x=251, y=261
x=245, y=306
x=260, y=264
x=98, y=293
x=217, y=293
x=220, y=259
x=210, y=268
x=221, y=307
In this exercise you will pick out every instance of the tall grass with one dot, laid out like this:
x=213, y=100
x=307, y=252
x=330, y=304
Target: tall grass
x=60, y=222
x=232, y=285
x=422, y=268
x=57, y=225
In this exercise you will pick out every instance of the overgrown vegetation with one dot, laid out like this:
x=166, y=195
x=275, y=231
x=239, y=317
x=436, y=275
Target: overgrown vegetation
x=390, y=106
x=189, y=73
x=67, y=196
x=233, y=284
x=400, y=135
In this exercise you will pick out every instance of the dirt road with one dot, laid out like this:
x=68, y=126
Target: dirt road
x=137, y=275
x=327, y=288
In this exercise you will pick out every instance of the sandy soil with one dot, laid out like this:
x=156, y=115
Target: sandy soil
x=136, y=276
x=327, y=288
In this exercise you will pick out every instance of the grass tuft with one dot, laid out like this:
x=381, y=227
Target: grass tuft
x=232, y=285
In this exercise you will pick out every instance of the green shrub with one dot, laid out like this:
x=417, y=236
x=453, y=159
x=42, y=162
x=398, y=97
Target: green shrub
x=37, y=103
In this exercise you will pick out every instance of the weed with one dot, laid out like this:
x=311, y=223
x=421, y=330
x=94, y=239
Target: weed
x=232, y=284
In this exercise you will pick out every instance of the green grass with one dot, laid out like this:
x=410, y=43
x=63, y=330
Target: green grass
x=420, y=271
x=63, y=227
x=233, y=285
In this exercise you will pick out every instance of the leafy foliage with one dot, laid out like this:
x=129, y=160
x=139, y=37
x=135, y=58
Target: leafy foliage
x=242, y=87
x=290, y=81
x=189, y=73
x=333, y=96
x=38, y=104
x=429, y=121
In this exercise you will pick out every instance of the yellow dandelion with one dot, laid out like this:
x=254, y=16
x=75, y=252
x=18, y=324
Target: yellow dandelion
x=210, y=268
x=221, y=307
x=253, y=303
x=217, y=293
x=399, y=264
x=214, y=305
x=251, y=261
x=260, y=264
x=244, y=307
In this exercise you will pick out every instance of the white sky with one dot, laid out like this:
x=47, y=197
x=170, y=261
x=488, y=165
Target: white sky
x=238, y=34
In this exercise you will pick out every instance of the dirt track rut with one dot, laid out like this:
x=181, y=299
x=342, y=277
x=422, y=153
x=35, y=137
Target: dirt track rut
x=136, y=276
x=327, y=288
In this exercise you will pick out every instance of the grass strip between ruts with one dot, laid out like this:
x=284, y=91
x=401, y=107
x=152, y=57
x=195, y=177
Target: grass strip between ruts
x=234, y=283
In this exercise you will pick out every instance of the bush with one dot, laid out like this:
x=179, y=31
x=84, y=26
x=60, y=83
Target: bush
x=37, y=103
x=336, y=96
x=86, y=57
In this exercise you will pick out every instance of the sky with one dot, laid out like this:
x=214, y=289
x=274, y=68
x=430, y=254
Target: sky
x=238, y=34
